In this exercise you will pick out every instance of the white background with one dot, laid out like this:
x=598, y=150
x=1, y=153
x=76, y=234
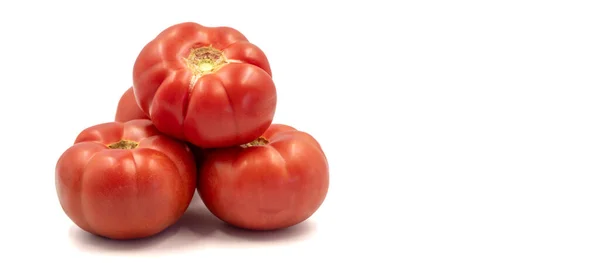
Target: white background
x=457, y=131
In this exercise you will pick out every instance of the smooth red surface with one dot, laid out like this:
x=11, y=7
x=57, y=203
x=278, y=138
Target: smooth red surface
x=266, y=187
x=231, y=106
x=127, y=109
x=125, y=194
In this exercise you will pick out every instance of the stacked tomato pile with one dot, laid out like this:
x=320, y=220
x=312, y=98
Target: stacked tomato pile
x=198, y=117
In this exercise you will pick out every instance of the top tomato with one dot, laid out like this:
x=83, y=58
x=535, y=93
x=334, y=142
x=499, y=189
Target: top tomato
x=206, y=85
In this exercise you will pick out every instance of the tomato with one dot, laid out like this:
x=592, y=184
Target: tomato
x=206, y=85
x=127, y=109
x=125, y=180
x=274, y=182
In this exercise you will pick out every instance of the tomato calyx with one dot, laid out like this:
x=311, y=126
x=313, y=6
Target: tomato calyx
x=260, y=141
x=123, y=145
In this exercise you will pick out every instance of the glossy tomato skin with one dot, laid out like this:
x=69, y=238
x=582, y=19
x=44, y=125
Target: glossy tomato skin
x=125, y=193
x=267, y=187
x=127, y=108
x=230, y=106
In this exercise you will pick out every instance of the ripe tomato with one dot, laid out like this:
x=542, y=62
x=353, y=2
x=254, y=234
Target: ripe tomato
x=205, y=85
x=125, y=180
x=276, y=181
x=127, y=109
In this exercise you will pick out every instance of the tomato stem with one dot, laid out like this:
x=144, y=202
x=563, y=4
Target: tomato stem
x=124, y=145
x=260, y=141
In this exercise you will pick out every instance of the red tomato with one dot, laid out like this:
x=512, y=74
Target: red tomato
x=125, y=180
x=274, y=182
x=127, y=109
x=205, y=85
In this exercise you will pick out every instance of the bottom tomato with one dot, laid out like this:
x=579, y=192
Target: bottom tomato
x=127, y=108
x=125, y=180
x=276, y=181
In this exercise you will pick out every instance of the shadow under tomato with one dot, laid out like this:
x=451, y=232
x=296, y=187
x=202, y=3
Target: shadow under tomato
x=293, y=233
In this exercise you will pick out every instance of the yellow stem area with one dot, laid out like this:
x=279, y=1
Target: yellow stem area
x=123, y=145
x=260, y=141
x=205, y=60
